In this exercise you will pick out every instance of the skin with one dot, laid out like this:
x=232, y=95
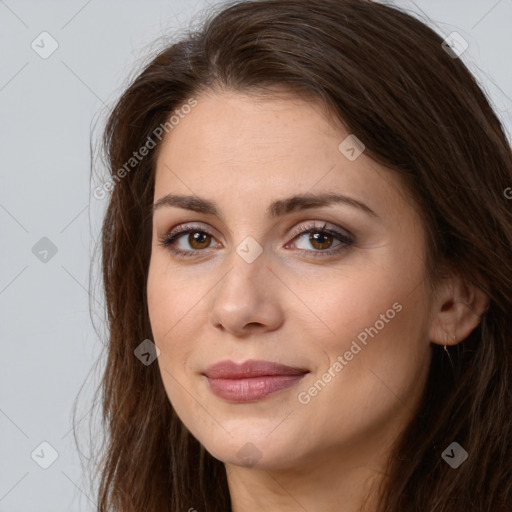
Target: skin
x=288, y=306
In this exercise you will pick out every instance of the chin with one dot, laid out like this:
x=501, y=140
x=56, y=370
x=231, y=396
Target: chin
x=258, y=451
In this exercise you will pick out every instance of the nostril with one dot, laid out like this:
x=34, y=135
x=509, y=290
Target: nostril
x=253, y=324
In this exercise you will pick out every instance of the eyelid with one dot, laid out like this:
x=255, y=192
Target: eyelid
x=183, y=228
x=302, y=228
x=343, y=235
x=321, y=226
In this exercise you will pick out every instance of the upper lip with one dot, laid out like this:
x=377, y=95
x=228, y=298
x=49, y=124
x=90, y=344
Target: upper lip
x=252, y=368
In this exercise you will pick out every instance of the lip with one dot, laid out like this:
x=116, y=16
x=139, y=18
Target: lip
x=251, y=368
x=251, y=380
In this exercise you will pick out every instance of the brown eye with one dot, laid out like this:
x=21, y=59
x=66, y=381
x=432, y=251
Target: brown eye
x=321, y=240
x=191, y=240
x=188, y=241
x=199, y=239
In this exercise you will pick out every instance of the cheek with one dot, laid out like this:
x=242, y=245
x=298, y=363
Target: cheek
x=172, y=297
x=168, y=316
x=169, y=309
x=375, y=354
x=161, y=308
x=376, y=318
x=176, y=303
x=171, y=312
x=344, y=304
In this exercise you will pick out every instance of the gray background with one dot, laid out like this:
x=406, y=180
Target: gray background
x=50, y=110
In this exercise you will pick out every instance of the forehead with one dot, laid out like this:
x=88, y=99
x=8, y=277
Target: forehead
x=264, y=147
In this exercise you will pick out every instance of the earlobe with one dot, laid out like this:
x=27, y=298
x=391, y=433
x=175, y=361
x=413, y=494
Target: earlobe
x=457, y=312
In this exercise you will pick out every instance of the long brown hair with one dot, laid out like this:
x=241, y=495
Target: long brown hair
x=419, y=111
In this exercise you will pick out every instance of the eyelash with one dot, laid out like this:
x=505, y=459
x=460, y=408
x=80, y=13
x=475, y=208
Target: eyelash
x=345, y=239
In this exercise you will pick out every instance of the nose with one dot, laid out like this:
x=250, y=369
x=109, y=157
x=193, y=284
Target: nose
x=246, y=300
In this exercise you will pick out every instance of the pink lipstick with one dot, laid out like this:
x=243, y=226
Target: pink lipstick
x=251, y=380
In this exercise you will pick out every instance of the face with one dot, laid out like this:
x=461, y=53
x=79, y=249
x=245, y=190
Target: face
x=272, y=242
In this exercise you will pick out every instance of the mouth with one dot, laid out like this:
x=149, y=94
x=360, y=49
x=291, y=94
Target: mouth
x=252, y=380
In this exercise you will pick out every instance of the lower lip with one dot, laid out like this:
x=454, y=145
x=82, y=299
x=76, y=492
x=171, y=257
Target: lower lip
x=250, y=389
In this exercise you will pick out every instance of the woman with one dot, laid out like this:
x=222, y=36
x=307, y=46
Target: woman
x=308, y=271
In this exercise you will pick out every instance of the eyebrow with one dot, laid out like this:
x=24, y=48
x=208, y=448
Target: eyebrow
x=278, y=208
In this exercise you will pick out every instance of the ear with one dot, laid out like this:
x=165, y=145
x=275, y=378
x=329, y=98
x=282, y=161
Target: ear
x=458, y=308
